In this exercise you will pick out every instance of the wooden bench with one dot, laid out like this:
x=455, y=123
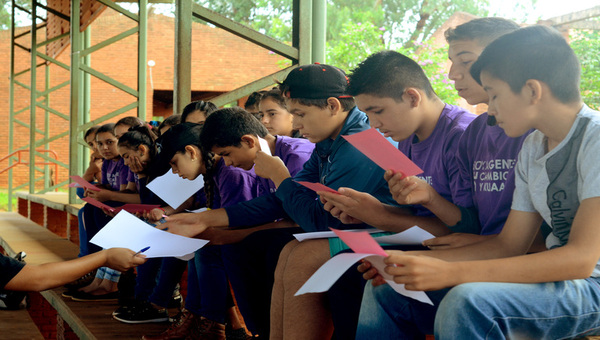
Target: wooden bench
x=52, y=211
x=68, y=319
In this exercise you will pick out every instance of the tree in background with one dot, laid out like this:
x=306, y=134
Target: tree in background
x=585, y=44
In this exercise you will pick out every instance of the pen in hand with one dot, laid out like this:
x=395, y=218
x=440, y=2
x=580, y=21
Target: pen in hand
x=141, y=251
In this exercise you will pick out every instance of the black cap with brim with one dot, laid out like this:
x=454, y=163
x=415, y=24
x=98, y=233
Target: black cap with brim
x=315, y=81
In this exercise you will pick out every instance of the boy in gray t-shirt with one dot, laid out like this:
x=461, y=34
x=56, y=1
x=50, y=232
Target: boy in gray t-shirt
x=496, y=289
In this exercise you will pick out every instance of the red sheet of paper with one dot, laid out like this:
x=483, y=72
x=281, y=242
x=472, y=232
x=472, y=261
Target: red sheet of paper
x=361, y=242
x=98, y=204
x=316, y=186
x=382, y=152
x=84, y=183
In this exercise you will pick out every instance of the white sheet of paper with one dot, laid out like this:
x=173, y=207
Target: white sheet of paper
x=327, y=234
x=173, y=189
x=412, y=236
x=264, y=146
x=127, y=231
x=331, y=271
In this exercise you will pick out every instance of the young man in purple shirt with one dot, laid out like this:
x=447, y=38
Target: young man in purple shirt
x=486, y=157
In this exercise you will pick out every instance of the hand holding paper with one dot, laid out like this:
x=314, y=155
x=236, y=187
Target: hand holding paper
x=83, y=183
x=316, y=187
x=382, y=152
x=128, y=231
x=364, y=247
x=264, y=146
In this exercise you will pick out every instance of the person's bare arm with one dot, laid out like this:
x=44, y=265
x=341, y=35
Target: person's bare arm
x=221, y=236
x=50, y=275
x=503, y=259
x=192, y=224
x=366, y=208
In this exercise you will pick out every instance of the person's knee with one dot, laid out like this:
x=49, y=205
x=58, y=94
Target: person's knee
x=460, y=304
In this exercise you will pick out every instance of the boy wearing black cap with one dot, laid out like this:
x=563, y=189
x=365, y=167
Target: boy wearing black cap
x=323, y=111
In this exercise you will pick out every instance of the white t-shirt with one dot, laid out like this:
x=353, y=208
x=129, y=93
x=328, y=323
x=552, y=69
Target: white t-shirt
x=554, y=183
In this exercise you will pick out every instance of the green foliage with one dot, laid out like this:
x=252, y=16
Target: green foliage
x=585, y=44
x=358, y=40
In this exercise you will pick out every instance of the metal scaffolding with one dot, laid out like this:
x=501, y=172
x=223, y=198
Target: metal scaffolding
x=308, y=45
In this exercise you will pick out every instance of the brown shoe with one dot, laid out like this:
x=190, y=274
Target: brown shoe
x=204, y=329
x=179, y=329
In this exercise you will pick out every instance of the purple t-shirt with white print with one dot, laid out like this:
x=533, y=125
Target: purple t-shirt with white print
x=235, y=185
x=114, y=174
x=487, y=157
x=436, y=155
x=294, y=152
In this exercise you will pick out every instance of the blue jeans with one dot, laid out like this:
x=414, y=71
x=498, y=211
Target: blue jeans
x=208, y=288
x=156, y=279
x=385, y=314
x=487, y=310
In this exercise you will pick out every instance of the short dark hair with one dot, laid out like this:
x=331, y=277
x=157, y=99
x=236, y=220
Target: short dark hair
x=483, y=30
x=170, y=121
x=254, y=98
x=536, y=52
x=225, y=127
x=138, y=135
x=130, y=121
x=108, y=127
x=388, y=74
x=276, y=96
x=200, y=105
x=90, y=131
x=347, y=103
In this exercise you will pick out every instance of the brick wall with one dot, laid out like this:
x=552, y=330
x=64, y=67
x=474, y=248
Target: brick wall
x=220, y=62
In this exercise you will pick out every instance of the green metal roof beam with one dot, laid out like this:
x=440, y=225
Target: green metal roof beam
x=26, y=108
x=48, y=189
x=22, y=85
x=107, y=116
x=51, y=110
x=50, y=159
x=109, y=80
x=245, y=32
x=251, y=87
x=49, y=140
x=50, y=90
x=111, y=4
x=26, y=125
x=51, y=40
x=109, y=41
x=52, y=60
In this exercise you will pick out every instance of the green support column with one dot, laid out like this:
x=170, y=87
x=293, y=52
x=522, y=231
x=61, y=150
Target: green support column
x=33, y=97
x=84, y=114
x=183, y=55
x=319, y=17
x=142, y=57
x=47, y=177
x=11, y=103
x=305, y=32
x=76, y=92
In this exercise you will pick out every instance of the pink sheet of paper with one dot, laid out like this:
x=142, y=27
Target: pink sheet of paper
x=135, y=208
x=360, y=241
x=84, y=183
x=371, y=143
x=316, y=186
x=98, y=204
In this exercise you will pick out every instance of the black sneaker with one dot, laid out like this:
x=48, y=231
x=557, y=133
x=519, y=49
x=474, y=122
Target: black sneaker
x=236, y=334
x=145, y=313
